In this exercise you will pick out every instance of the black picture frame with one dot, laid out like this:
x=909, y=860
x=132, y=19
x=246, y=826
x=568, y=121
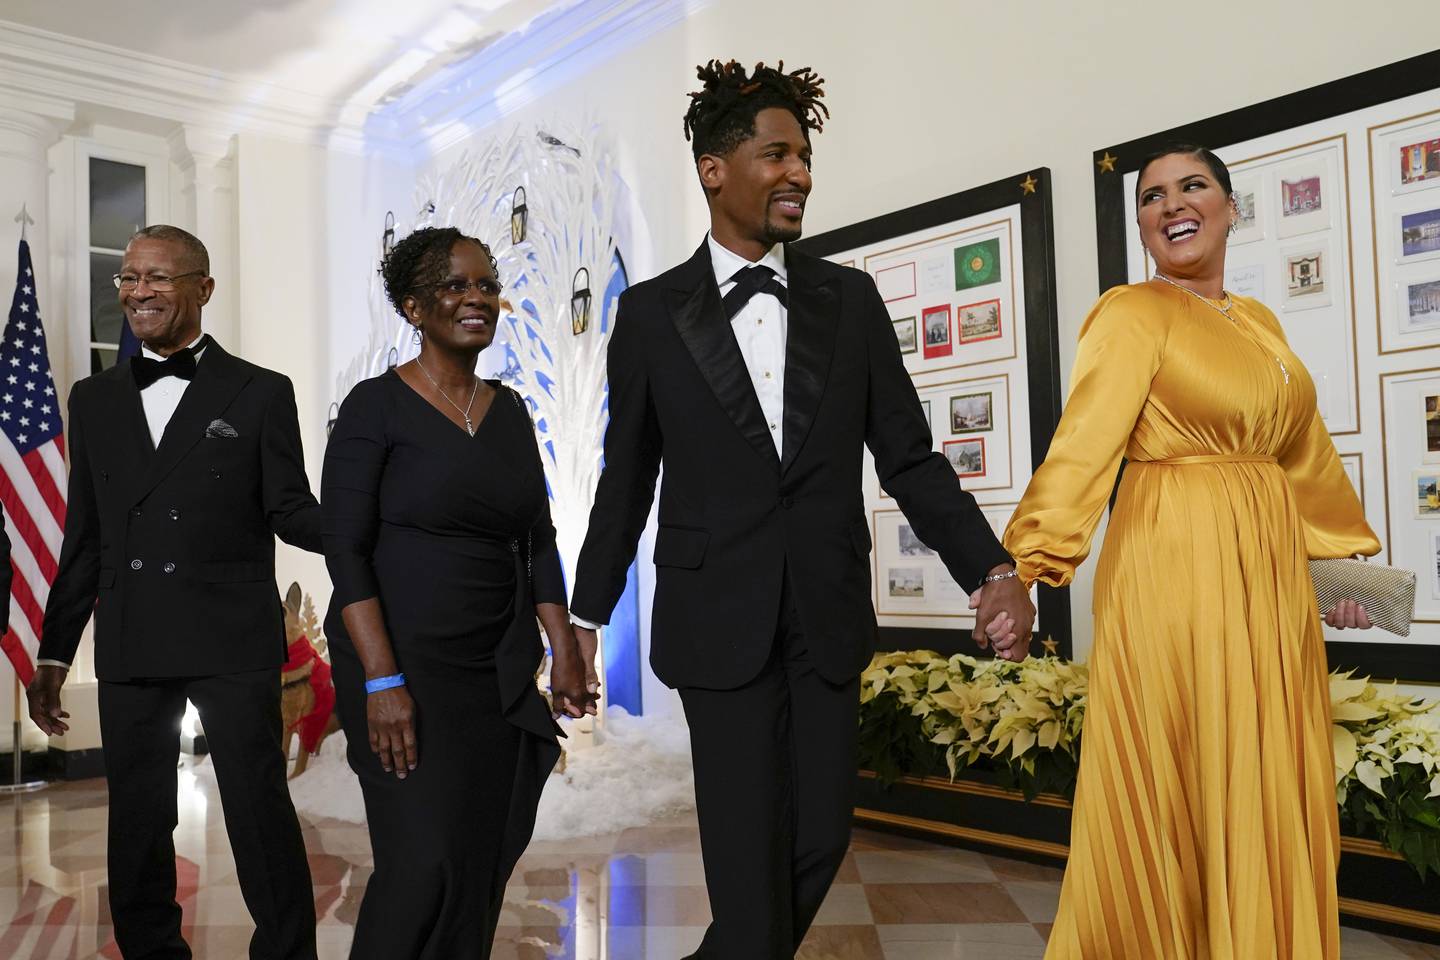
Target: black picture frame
x=1032, y=191
x=1418, y=74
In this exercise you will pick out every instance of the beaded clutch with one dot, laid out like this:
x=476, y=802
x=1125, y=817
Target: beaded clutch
x=1386, y=593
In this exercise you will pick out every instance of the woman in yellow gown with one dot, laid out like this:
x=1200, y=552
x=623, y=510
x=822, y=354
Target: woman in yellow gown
x=1205, y=823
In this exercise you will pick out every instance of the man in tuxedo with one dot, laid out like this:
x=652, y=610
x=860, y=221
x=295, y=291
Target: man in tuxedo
x=184, y=464
x=758, y=375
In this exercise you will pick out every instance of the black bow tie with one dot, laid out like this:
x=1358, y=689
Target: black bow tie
x=180, y=364
x=750, y=281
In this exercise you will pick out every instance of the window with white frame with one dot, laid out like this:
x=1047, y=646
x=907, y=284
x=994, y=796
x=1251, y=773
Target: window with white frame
x=117, y=210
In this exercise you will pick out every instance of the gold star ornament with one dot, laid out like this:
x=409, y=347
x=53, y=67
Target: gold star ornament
x=1028, y=184
x=1107, y=163
x=1051, y=645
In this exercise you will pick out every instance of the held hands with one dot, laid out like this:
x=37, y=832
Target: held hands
x=1004, y=616
x=1348, y=614
x=573, y=684
x=43, y=695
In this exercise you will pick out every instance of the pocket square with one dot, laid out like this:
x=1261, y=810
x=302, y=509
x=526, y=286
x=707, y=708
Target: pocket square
x=220, y=429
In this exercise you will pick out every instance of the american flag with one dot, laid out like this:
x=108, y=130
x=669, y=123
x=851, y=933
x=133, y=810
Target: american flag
x=32, y=468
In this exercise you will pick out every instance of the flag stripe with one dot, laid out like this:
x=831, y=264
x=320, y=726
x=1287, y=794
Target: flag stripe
x=32, y=467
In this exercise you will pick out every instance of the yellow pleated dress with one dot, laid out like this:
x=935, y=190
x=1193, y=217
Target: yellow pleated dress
x=1205, y=824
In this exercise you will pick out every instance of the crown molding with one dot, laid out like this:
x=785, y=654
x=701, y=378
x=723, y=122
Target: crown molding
x=39, y=63
x=61, y=72
x=518, y=69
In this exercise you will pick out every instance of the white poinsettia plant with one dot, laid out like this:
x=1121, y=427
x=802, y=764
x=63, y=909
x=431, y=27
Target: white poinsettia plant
x=1023, y=722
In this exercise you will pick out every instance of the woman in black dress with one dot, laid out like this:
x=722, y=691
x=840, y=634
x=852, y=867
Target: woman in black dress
x=438, y=538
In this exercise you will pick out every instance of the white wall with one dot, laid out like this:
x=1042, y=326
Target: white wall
x=931, y=97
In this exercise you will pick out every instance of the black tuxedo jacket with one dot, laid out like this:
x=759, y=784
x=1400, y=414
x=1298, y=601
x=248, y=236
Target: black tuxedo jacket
x=177, y=543
x=736, y=520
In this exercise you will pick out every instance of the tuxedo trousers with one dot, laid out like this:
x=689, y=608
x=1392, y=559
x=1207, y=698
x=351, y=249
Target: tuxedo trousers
x=775, y=767
x=140, y=729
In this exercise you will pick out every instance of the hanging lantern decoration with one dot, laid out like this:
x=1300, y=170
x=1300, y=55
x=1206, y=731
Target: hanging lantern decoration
x=580, y=302
x=387, y=239
x=519, y=213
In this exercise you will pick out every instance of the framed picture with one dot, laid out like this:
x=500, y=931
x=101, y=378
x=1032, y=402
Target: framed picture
x=1250, y=210
x=1427, y=494
x=936, y=321
x=990, y=244
x=905, y=334
x=972, y=413
x=1419, y=235
x=925, y=405
x=1307, y=273
x=979, y=321
x=1432, y=428
x=1434, y=570
x=896, y=283
x=910, y=545
x=1344, y=175
x=967, y=456
x=1419, y=165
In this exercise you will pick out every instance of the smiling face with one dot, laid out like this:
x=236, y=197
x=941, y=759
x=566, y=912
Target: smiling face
x=757, y=193
x=1184, y=216
x=167, y=320
x=461, y=316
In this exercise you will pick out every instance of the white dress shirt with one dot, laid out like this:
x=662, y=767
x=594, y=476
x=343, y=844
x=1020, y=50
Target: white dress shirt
x=160, y=400
x=760, y=329
x=162, y=397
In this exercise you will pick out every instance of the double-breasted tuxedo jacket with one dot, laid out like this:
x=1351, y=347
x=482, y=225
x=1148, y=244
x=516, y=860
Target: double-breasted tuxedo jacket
x=736, y=519
x=172, y=547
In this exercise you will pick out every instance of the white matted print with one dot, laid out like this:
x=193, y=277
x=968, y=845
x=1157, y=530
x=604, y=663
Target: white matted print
x=1425, y=485
x=1252, y=212
x=1307, y=273
x=1412, y=487
x=956, y=410
x=1435, y=562
x=1418, y=303
x=1417, y=234
x=1246, y=281
x=896, y=282
x=1430, y=404
x=906, y=335
x=910, y=578
x=1305, y=195
x=1413, y=156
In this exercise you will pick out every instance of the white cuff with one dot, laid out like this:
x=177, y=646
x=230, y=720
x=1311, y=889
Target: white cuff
x=580, y=622
x=52, y=663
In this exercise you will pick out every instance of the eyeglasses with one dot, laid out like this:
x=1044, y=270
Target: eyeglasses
x=456, y=287
x=155, y=281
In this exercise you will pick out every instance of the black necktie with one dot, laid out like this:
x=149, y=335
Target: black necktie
x=748, y=282
x=180, y=364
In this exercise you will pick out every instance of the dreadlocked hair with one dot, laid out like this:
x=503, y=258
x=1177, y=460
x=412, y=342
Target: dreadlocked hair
x=722, y=113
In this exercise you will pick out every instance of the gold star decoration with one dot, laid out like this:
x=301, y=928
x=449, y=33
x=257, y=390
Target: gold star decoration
x=1107, y=163
x=1051, y=645
x=1028, y=184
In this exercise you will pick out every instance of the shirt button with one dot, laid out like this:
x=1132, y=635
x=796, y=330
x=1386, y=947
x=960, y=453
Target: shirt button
x=169, y=566
x=136, y=564
x=174, y=514
x=767, y=374
x=135, y=512
x=772, y=426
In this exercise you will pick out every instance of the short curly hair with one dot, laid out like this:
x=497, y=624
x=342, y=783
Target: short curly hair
x=722, y=113
x=419, y=261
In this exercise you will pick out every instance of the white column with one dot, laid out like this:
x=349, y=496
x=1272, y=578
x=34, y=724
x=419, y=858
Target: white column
x=28, y=128
x=205, y=194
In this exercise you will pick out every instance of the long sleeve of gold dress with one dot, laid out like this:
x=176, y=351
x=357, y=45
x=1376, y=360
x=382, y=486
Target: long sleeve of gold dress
x=1205, y=824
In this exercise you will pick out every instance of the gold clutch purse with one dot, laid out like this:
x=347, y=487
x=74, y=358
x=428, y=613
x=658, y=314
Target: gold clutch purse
x=1386, y=593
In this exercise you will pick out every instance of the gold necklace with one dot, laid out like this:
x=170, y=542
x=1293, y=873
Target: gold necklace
x=1223, y=311
x=469, y=427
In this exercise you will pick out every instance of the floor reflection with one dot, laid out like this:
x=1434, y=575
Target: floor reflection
x=635, y=895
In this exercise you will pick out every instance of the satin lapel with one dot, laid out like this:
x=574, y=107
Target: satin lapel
x=810, y=343
x=217, y=380
x=698, y=316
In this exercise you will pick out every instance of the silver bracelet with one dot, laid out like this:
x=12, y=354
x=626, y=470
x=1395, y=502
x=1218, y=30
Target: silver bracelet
x=1001, y=576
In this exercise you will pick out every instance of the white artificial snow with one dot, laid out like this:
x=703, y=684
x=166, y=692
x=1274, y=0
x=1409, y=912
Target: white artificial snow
x=637, y=773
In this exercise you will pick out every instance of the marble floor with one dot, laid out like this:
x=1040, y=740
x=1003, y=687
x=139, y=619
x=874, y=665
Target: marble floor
x=635, y=895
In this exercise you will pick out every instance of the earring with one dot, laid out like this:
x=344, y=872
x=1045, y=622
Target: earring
x=417, y=336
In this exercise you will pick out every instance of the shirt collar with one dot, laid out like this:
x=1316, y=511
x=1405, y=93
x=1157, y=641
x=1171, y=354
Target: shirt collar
x=726, y=262
x=151, y=354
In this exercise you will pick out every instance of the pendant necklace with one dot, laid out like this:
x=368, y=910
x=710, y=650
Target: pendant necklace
x=469, y=427
x=1224, y=311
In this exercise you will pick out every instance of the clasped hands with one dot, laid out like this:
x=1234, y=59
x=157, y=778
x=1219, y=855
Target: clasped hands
x=1004, y=616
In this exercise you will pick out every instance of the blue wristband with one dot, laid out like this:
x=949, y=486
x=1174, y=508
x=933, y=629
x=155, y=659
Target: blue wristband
x=385, y=683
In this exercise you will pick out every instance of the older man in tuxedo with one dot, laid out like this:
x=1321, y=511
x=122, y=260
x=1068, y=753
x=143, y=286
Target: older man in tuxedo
x=184, y=464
